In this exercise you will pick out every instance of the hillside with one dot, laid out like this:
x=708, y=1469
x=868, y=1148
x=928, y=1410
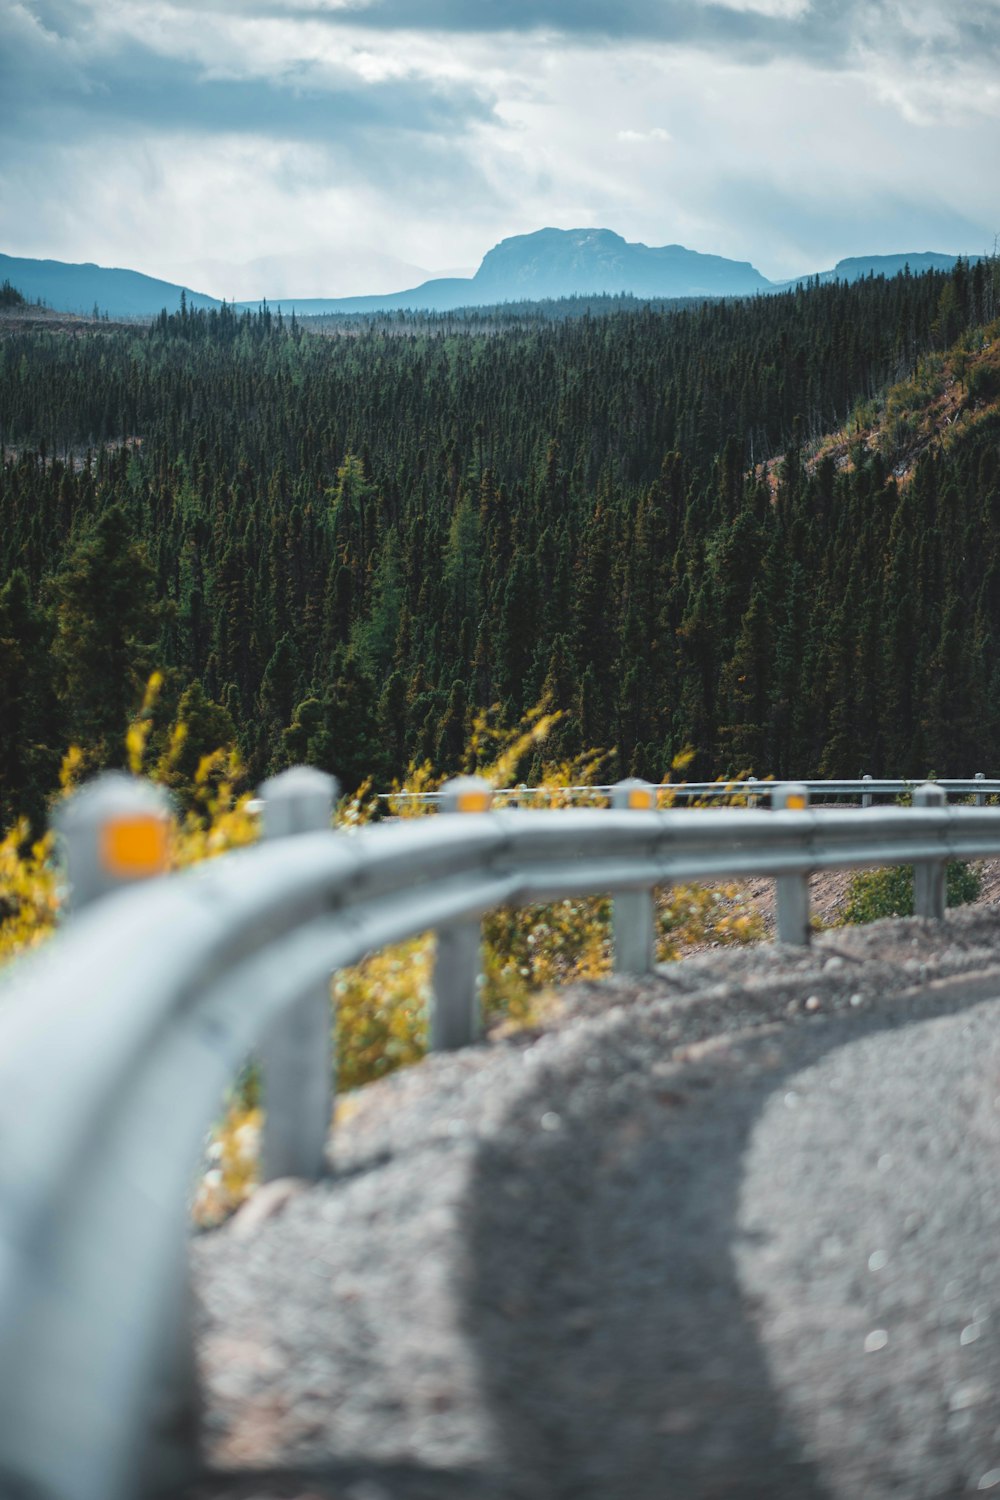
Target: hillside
x=340, y=550
x=80, y=288
x=946, y=400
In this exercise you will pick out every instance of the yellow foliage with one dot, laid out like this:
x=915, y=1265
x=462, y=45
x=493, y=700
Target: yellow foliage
x=407, y=798
x=380, y=1004
x=234, y=1154
x=29, y=893
x=138, y=731
x=381, y=1008
x=693, y=915
x=72, y=770
x=219, y=819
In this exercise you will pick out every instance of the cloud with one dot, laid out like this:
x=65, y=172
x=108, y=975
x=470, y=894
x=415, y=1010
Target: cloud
x=55, y=85
x=827, y=32
x=644, y=137
x=169, y=134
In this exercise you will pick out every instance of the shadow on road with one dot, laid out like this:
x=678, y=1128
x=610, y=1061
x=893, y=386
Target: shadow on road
x=619, y=1354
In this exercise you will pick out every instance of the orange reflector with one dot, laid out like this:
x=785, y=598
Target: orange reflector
x=132, y=848
x=473, y=801
x=640, y=799
x=796, y=802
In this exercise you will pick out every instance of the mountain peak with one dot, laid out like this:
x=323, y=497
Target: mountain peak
x=581, y=262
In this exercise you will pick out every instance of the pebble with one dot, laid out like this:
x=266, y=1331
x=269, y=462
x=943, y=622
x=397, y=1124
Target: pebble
x=972, y=1394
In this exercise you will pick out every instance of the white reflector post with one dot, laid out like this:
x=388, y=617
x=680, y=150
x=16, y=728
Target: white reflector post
x=114, y=831
x=792, y=891
x=633, y=913
x=929, y=876
x=455, y=1018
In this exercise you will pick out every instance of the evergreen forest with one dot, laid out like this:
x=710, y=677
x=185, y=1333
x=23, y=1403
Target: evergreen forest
x=765, y=529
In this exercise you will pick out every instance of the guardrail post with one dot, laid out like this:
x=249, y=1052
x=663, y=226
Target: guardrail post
x=297, y=1054
x=980, y=796
x=455, y=1019
x=113, y=831
x=792, y=891
x=929, y=888
x=633, y=913
x=751, y=796
x=866, y=797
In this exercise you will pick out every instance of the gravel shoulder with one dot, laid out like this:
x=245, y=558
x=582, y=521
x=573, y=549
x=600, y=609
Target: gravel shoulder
x=649, y=1250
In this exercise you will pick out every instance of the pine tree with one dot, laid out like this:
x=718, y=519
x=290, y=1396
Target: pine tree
x=106, y=620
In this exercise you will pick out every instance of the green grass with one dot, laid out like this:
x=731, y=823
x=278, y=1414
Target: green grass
x=889, y=893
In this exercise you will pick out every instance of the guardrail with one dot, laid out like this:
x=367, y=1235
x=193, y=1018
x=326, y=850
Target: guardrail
x=862, y=789
x=118, y=1038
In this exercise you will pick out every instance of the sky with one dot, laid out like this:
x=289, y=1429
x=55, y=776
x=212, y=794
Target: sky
x=334, y=147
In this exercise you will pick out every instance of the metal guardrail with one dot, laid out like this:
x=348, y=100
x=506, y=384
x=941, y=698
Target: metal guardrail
x=862, y=789
x=118, y=1038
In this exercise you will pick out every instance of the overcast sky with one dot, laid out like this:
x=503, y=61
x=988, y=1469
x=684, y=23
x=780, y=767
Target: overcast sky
x=314, y=147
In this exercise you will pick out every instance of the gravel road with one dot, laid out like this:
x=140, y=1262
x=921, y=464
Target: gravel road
x=730, y=1231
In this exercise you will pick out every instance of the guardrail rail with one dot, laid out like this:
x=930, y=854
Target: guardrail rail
x=862, y=789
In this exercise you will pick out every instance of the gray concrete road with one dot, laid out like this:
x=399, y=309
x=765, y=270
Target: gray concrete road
x=729, y=1233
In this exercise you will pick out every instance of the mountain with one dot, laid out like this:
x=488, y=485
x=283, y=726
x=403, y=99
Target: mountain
x=856, y=267
x=549, y=263
x=554, y=263
x=79, y=288
x=575, y=262
x=442, y=295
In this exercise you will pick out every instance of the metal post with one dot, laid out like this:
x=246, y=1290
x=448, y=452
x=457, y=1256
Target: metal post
x=455, y=1018
x=929, y=891
x=980, y=796
x=751, y=796
x=172, y=1457
x=792, y=891
x=866, y=797
x=297, y=1054
x=114, y=831
x=633, y=913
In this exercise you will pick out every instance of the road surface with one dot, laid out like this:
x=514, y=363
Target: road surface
x=731, y=1232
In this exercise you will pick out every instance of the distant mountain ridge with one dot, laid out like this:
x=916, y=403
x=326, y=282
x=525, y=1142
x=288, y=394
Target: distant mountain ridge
x=855, y=267
x=79, y=288
x=547, y=264
x=552, y=263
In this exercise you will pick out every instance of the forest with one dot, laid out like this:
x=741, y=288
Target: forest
x=763, y=529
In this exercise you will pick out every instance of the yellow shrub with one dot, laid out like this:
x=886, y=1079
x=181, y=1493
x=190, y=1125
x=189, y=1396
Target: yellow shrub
x=381, y=1003
x=29, y=892
x=380, y=1007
